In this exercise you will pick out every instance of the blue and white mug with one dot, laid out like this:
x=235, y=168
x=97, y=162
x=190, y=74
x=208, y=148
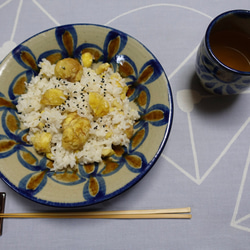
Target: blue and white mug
x=223, y=57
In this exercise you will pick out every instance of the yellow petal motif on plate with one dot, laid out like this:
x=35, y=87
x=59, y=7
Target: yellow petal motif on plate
x=142, y=99
x=6, y=103
x=49, y=164
x=28, y=59
x=12, y=123
x=154, y=115
x=54, y=58
x=110, y=166
x=6, y=145
x=35, y=180
x=68, y=42
x=24, y=138
x=134, y=161
x=66, y=177
x=138, y=138
x=119, y=151
x=130, y=91
x=93, y=186
x=146, y=74
x=19, y=87
x=125, y=69
x=28, y=158
x=113, y=47
x=89, y=168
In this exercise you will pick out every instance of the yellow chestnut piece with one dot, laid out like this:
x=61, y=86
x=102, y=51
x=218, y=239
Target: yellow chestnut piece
x=117, y=105
x=108, y=135
x=98, y=104
x=87, y=59
x=41, y=142
x=53, y=97
x=102, y=68
x=107, y=152
x=129, y=131
x=69, y=69
x=75, y=132
x=49, y=156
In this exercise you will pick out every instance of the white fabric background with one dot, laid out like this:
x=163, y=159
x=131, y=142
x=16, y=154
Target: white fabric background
x=205, y=163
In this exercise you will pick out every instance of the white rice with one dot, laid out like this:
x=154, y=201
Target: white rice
x=32, y=112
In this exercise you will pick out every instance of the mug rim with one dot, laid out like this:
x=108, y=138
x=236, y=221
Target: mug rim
x=208, y=32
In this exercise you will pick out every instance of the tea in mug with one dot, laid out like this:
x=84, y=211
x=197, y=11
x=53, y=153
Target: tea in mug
x=232, y=48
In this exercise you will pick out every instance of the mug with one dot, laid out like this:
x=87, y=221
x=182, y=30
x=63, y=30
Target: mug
x=223, y=57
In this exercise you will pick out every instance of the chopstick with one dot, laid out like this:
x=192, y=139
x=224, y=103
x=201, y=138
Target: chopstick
x=177, y=213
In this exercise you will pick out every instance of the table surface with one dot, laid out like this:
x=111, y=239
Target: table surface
x=205, y=163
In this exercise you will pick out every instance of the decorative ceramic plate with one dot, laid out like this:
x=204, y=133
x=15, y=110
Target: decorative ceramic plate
x=30, y=174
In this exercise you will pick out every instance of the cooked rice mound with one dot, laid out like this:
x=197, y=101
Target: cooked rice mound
x=76, y=119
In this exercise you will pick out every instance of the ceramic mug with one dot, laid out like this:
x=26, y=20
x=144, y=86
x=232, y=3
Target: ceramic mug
x=223, y=57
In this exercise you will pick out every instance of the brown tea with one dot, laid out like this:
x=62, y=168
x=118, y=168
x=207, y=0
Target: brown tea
x=232, y=48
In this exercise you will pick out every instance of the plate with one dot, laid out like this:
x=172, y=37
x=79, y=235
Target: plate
x=28, y=173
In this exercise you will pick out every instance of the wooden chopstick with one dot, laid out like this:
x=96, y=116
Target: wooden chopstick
x=110, y=216
x=177, y=213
